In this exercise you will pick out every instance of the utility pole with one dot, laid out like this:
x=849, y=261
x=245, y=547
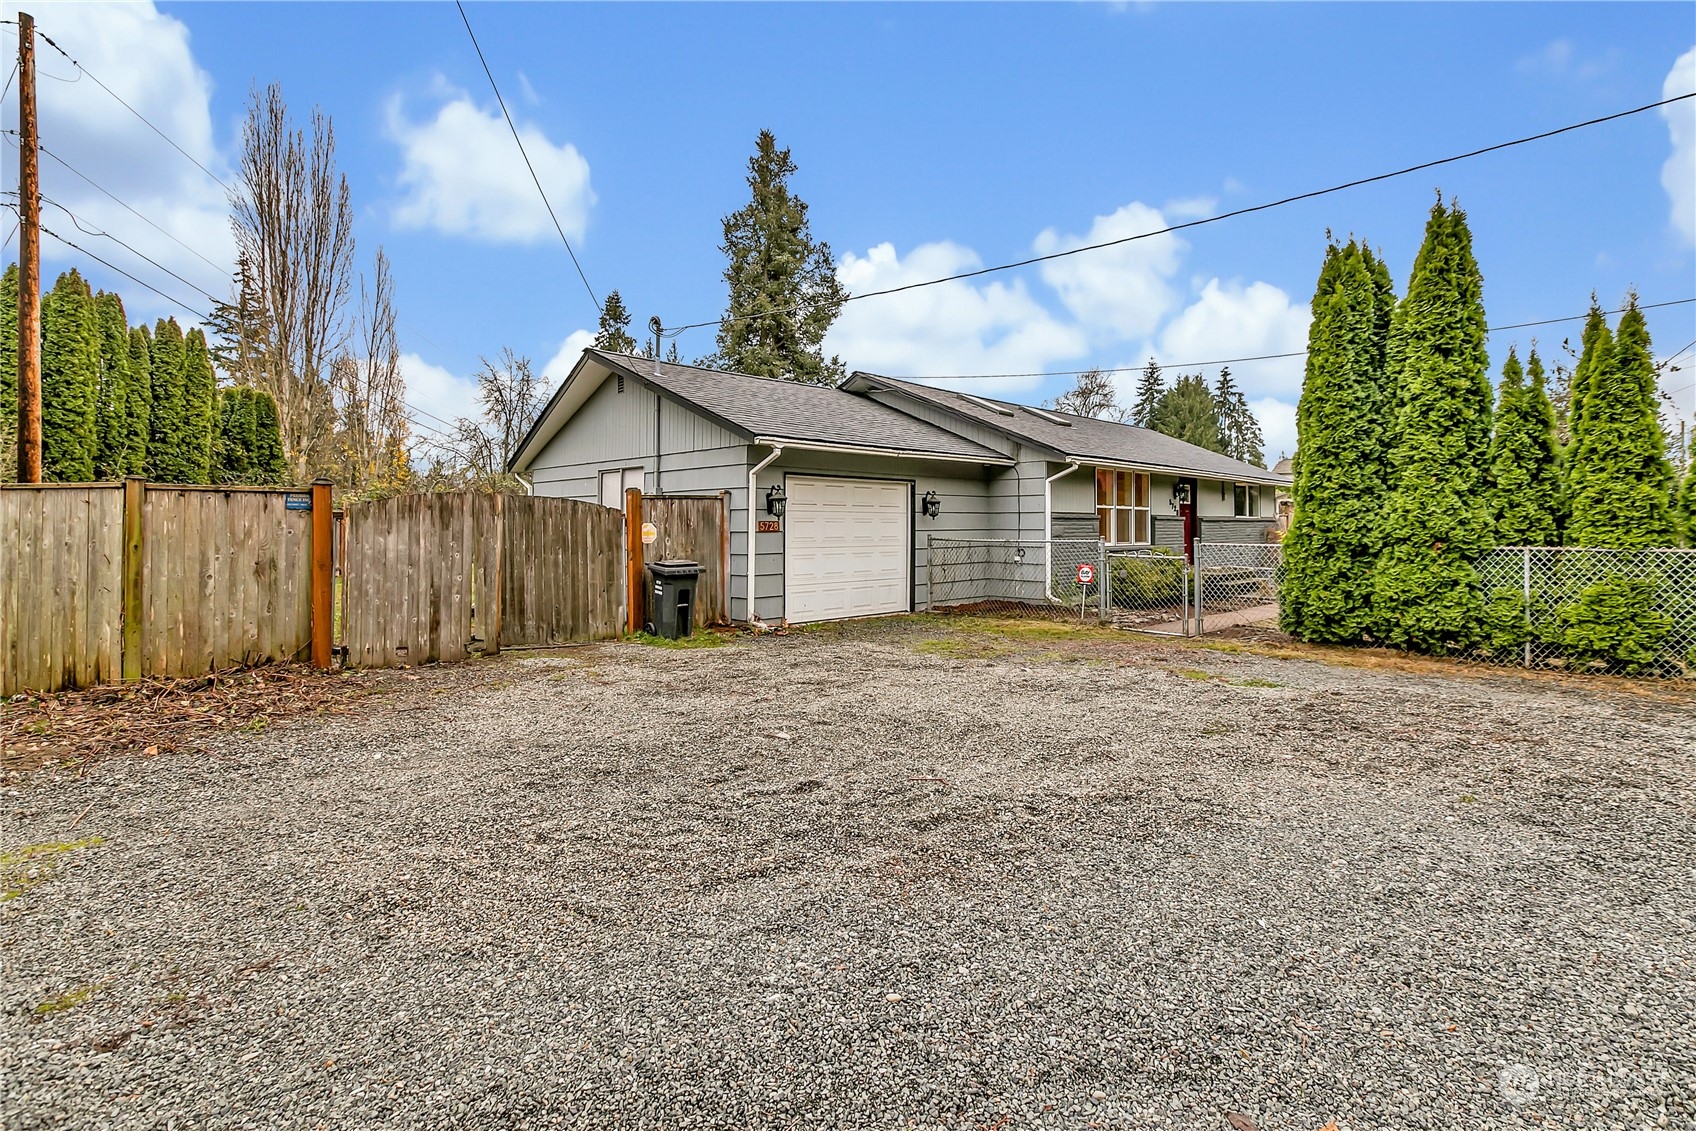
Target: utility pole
x=29, y=262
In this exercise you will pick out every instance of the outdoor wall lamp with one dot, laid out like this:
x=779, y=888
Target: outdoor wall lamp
x=776, y=501
x=1180, y=497
x=930, y=504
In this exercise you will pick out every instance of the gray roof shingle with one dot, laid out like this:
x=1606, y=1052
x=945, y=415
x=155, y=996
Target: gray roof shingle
x=790, y=410
x=1080, y=437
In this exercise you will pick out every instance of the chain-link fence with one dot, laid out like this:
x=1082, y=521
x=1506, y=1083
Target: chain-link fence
x=1148, y=590
x=1236, y=583
x=1007, y=577
x=1627, y=612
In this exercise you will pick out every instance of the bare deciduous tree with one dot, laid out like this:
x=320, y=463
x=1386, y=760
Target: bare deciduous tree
x=370, y=394
x=1092, y=395
x=294, y=231
x=512, y=397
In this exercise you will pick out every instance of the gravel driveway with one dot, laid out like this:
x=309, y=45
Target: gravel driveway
x=890, y=875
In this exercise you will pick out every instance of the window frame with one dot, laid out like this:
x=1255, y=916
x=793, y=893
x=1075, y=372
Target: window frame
x=1246, y=501
x=1125, y=517
x=627, y=477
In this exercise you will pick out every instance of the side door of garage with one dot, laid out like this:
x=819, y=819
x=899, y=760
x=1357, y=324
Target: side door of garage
x=847, y=549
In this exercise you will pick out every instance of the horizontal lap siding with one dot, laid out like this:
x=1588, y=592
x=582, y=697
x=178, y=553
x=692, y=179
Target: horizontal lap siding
x=61, y=586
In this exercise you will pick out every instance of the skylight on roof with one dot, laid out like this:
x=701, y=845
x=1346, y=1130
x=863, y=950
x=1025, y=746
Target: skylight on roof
x=1048, y=416
x=999, y=409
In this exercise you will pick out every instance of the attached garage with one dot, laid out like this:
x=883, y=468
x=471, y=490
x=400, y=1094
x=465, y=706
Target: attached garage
x=847, y=548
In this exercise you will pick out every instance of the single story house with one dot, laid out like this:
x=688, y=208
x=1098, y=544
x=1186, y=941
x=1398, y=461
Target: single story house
x=868, y=471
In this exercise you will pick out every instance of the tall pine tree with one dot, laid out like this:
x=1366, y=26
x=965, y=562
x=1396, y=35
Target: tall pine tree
x=1436, y=521
x=1343, y=422
x=614, y=332
x=1151, y=385
x=170, y=458
x=1237, y=425
x=140, y=405
x=1618, y=474
x=784, y=293
x=9, y=374
x=70, y=363
x=1526, y=488
x=112, y=391
x=1186, y=412
x=200, y=397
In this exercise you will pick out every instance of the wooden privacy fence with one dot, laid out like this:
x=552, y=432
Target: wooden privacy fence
x=426, y=576
x=102, y=581
x=696, y=527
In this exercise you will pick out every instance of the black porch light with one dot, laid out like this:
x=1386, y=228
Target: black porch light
x=930, y=504
x=776, y=501
x=1180, y=497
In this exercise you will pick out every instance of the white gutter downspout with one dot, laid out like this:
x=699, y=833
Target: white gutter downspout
x=753, y=472
x=1048, y=526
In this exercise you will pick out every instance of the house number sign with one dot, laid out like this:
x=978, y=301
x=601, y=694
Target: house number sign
x=769, y=526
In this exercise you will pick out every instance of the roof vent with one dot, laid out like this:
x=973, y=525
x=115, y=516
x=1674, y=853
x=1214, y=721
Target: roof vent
x=1048, y=416
x=999, y=409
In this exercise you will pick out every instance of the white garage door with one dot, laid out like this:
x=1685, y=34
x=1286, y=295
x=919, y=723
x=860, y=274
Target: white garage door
x=845, y=550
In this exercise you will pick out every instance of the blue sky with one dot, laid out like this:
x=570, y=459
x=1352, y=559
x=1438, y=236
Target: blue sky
x=930, y=138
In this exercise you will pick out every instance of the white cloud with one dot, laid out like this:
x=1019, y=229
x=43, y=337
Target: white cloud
x=1678, y=175
x=1233, y=320
x=1121, y=292
x=1277, y=427
x=559, y=366
x=436, y=395
x=146, y=58
x=1562, y=59
x=462, y=175
x=949, y=328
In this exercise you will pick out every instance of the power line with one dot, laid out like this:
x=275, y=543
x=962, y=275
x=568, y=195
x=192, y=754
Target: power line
x=125, y=274
x=168, y=139
x=1209, y=219
x=522, y=152
x=85, y=228
x=1256, y=357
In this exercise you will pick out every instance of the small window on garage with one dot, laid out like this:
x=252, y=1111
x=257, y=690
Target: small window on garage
x=1248, y=501
x=614, y=483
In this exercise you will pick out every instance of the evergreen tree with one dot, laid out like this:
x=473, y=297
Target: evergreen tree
x=112, y=391
x=1525, y=473
x=1186, y=412
x=9, y=374
x=614, y=333
x=1237, y=425
x=169, y=455
x=1151, y=385
x=1436, y=520
x=1342, y=429
x=70, y=363
x=1687, y=505
x=1595, y=352
x=1619, y=475
x=234, y=446
x=200, y=397
x=270, y=466
x=783, y=288
x=140, y=405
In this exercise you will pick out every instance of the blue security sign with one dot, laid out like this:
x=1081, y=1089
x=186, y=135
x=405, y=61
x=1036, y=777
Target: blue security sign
x=296, y=501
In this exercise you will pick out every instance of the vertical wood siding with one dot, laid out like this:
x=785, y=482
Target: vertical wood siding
x=564, y=572
x=693, y=528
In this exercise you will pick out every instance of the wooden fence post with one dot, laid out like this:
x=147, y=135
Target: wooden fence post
x=493, y=583
x=135, y=492
x=322, y=575
x=633, y=583
x=724, y=549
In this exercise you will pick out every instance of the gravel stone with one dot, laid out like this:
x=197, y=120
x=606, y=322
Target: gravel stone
x=898, y=874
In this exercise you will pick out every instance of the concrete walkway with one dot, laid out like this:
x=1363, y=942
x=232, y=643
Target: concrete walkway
x=1212, y=622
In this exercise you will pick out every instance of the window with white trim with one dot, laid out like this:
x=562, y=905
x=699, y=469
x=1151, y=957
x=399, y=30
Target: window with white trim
x=1248, y=501
x=1121, y=506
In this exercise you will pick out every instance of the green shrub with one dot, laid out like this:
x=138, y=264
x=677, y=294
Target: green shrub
x=1505, y=625
x=1146, y=582
x=1615, y=622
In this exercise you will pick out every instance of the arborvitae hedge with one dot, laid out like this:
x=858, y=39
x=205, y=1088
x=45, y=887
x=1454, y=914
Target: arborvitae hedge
x=140, y=406
x=1341, y=424
x=170, y=454
x=1620, y=479
x=1436, y=520
x=1595, y=352
x=200, y=395
x=112, y=390
x=1525, y=473
x=1687, y=504
x=70, y=361
x=270, y=466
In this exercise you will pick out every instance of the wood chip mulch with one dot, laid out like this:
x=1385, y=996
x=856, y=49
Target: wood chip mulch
x=70, y=729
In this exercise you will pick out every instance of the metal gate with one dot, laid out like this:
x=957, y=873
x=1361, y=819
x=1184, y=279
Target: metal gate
x=1147, y=590
x=1236, y=583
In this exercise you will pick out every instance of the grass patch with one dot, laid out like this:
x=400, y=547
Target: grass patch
x=69, y=999
x=957, y=648
x=1192, y=673
x=23, y=868
x=1255, y=681
x=700, y=638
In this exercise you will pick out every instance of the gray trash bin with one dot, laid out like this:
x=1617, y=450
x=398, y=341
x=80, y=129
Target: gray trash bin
x=671, y=598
